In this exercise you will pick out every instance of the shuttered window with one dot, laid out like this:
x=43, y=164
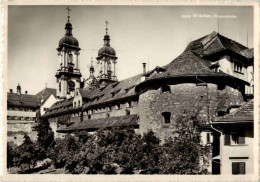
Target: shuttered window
x=238, y=168
x=241, y=138
x=227, y=139
x=238, y=137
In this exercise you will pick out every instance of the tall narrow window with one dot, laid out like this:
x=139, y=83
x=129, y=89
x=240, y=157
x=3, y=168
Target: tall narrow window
x=226, y=139
x=166, y=117
x=238, y=168
x=79, y=103
x=208, y=137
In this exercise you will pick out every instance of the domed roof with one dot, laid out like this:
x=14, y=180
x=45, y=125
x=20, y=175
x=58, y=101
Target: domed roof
x=68, y=40
x=106, y=50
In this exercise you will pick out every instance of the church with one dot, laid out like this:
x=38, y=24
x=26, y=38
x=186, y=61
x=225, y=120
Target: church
x=212, y=76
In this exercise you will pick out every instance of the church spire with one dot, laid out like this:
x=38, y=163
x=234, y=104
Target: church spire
x=106, y=37
x=68, y=26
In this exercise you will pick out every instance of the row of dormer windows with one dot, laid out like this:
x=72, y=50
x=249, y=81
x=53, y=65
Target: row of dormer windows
x=117, y=106
x=20, y=109
x=21, y=118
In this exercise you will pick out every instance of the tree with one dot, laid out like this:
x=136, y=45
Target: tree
x=26, y=155
x=185, y=153
x=45, y=134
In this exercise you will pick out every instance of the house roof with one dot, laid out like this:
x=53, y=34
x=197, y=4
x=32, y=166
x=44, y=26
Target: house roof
x=94, y=124
x=85, y=93
x=114, y=91
x=60, y=107
x=46, y=92
x=214, y=42
x=243, y=113
x=188, y=63
x=25, y=100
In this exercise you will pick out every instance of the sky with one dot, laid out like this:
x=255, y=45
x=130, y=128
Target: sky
x=152, y=34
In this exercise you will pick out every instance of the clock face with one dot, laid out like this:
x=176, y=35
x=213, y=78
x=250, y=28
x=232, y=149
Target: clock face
x=71, y=83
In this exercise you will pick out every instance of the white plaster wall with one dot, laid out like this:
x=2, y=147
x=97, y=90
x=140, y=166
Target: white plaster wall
x=48, y=103
x=228, y=67
x=21, y=113
x=245, y=150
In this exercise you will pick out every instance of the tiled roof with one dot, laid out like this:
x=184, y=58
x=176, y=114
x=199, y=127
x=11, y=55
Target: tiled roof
x=45, y=93
x=85, y=93
x=114, y=91
x=215, y=42
x=94, y=124
x=244, y=113
x=188, y=63
x=14, y=99
x=60, y=107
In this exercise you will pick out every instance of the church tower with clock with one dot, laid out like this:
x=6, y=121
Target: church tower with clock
x=68, y=74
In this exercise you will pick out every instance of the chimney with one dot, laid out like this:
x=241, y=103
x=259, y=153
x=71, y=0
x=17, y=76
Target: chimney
x=11, y=90
x=19, y=89
x=26, y=92
x=144, y=68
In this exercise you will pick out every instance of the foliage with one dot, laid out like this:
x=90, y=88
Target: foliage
x=118, y=150
x=10, y=155
x=45, y=134
x=185, y=153
x=26, y=155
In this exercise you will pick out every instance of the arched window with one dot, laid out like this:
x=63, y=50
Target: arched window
x=166, y=117
x=79, y=103
x=166, y=88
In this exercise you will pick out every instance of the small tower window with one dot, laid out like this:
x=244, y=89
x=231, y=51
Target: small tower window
x=107, y=115
x=60, y=86
x=89, y=116
x=166, y=89
x=127, y=112
x=166, y=117
x=79, y=103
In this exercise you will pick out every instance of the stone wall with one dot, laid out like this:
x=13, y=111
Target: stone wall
x=186, y=96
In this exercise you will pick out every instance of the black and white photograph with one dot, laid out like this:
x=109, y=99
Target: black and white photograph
x=141, y=90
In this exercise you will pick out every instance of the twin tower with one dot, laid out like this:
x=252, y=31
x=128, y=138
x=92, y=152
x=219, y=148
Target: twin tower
x=68, y=74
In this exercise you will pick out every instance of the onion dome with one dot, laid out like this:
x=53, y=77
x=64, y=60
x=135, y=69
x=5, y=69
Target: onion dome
x=106, y=50
x=68, y=40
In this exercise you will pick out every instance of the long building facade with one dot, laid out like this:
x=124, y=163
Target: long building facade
x=212, y=76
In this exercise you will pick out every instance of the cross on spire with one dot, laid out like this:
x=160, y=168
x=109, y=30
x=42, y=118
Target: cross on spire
x=106, y=25
x=68, y=9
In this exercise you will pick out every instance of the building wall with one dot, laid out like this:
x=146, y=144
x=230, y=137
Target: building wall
x=228, y=67
x=47, y=104
x=77, y=99
x=115, y=112
x=19, y=123
x=235, y=150
x=186, y=96
x=17, y=129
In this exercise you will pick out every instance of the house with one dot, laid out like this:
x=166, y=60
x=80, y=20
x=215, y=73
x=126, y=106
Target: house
x=23, y=112
x=48, y=98
x=236, y=141
x=21, y=115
